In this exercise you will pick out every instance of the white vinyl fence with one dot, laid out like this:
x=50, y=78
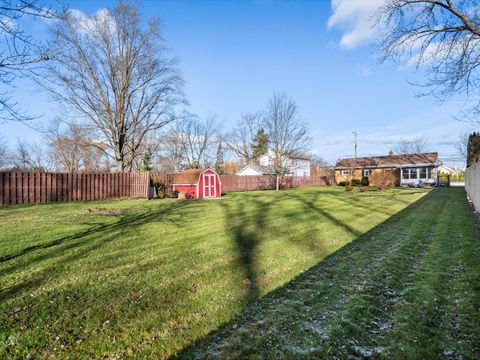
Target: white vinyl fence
x=472, y=184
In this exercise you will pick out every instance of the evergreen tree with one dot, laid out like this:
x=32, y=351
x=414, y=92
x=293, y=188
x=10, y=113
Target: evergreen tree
x=259, y=144
x=146, y=166
x=473, y=149
x=219, y=163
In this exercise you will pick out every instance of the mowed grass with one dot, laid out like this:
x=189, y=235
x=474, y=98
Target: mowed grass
x=131, y=278
x=407, y=289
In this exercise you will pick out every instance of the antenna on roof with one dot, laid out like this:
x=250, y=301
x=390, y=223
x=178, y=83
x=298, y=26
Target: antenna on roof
x=355, y=136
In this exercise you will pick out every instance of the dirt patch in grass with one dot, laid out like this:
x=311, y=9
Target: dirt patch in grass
x=104, y=211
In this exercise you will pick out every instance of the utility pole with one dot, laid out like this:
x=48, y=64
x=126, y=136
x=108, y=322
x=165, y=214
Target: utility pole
x=355, y=136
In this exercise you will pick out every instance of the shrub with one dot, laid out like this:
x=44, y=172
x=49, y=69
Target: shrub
x=382, y=179
x=355, y=182
x=343, y=183
x=349, y=188
x=363, y=189
x=163, y=187
x=364, y=181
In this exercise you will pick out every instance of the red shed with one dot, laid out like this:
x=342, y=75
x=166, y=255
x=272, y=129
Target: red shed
x=198, y=183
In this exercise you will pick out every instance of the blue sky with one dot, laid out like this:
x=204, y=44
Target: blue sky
x=235, y=54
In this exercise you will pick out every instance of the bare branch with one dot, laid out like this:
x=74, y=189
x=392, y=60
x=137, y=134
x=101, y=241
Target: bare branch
x=19, y=52
x=443, y=36
x=287, y=132
x=112, y=70
x=414, y=146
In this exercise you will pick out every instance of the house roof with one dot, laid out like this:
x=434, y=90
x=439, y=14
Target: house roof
x=263, y=170
x=189, y=176
x=290, y=156
x=298, y=156
x=404, y=160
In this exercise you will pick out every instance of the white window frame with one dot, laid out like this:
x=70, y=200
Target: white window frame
x=416, y=173
x=345, y=172
x=366, y=172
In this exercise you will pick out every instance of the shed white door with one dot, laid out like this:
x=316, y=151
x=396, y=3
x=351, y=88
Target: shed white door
x=209, y=185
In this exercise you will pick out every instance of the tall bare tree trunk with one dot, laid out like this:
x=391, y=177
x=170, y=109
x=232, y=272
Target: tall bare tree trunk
x=113, y=71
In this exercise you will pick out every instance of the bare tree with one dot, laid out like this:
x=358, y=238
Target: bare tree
x=4, y=154
x=287, y=133
x=197, y=139
x=170, y=157
x=73, y=149
x=320, y=167
x=19, y=51
x=462, y=145
x=441, y=35
x=414, y=146
x=241, y=138
x=112, y=70
x=319, y=161
x=30, y=157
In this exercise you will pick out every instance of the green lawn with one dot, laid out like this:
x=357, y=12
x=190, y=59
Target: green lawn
x=147, y=279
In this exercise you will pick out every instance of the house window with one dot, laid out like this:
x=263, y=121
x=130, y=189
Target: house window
x=423, y=173
x=416, y=173
x=345, y=172
x=366, y=172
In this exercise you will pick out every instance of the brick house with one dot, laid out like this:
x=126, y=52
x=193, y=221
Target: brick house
x=409, y=169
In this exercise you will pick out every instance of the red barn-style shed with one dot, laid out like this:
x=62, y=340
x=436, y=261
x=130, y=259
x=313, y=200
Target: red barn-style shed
x=198, y=183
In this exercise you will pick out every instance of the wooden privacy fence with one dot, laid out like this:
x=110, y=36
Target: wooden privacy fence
x=35, y=188
x=32, y=187
x=232, y=183
x=472, y=184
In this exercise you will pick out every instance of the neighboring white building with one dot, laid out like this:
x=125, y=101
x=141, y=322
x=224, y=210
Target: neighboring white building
x=445, y=169
x=255, y=170
x=297, y=165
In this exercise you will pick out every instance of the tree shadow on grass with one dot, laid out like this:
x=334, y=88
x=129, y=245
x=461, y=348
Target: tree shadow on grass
x=83, y=243
x=310, y=205
x=246, y=228
x=340, y=268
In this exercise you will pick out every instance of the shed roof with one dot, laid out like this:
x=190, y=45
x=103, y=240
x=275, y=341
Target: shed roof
x=430, y=158
x=189, y=176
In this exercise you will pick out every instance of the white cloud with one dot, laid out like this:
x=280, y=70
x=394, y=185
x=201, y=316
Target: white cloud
x=356, y=18
x=86, y=22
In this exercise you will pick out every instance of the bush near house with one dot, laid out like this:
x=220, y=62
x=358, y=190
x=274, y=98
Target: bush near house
x=344, y=183
x=382, y=179
x=364, y=181
x=355, y=182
